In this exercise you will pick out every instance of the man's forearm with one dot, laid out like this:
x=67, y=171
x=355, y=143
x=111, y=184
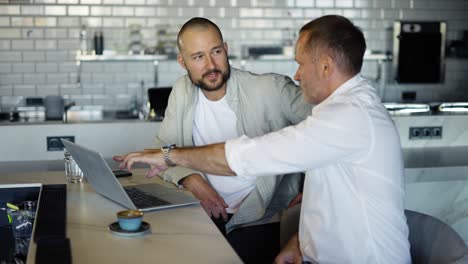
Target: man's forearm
x=210, y=159
x=187, y=180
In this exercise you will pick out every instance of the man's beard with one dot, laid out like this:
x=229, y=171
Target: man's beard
x=206, y=86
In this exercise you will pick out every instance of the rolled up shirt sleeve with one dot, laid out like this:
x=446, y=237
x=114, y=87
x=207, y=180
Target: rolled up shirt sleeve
x=332, y=134
x=232, y=150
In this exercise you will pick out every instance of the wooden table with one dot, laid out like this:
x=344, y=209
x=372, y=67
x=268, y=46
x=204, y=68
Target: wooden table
x=180, y=235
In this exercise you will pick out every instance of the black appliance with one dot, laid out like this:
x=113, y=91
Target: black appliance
x=158, y=98
x=419, y=51
x=98, y=42
x=255, y=52
x=54, y=106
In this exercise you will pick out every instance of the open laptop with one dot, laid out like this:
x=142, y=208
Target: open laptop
x=144, y=197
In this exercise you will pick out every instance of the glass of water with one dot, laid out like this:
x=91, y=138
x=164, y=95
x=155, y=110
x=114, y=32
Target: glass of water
x=73, y=173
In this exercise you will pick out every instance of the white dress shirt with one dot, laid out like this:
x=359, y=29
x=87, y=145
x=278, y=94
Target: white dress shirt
x=353, y=201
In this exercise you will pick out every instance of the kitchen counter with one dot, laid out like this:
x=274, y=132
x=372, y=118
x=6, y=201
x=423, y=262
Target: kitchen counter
x=444, y=163
x=180, y=235
x=11, y=167
x=434, y=157
x=436, y=183
x=60, y=122
x=29, y=142
x=436, y=164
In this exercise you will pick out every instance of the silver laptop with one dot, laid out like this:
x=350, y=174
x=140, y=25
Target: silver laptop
x=144, y=197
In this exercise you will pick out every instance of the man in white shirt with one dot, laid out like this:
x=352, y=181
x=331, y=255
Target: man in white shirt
x=352, y=209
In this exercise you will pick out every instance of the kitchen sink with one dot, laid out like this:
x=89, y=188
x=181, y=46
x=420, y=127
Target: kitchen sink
x=76, y=114
x=97, y=113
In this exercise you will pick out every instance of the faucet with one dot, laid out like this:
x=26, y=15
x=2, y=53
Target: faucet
x=65, y=109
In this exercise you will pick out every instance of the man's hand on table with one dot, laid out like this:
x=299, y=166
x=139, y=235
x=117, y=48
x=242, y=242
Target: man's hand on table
x=213, y=204
x=152, y=157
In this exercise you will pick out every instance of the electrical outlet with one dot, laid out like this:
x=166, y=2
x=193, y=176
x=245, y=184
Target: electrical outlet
x=415, y=132
x=425, y=132
x=436, y=132
x=55, y=144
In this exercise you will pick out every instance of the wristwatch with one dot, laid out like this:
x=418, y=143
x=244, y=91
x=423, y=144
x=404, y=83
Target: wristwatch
x=166, y=150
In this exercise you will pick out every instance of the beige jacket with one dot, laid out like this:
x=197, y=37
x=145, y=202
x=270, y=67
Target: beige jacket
x=262, y=103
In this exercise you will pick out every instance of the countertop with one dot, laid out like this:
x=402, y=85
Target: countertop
x=179, y=235
x=429, y=164
x=59, y=122
x=414, y=158
x=10, y=167
x=442, y=159
x=433, y=157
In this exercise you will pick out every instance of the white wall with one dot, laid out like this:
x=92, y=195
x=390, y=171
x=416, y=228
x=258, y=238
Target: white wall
x=39, y=41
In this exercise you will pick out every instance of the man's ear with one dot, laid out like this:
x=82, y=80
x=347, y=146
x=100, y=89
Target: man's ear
x=181, y=61
x=327, y=66
x=225, y=46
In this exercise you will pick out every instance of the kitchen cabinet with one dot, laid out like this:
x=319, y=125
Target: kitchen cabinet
x=27, y=142
x=436, y=169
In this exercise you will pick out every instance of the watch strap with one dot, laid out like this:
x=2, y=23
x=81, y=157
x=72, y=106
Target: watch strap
x=166, y=150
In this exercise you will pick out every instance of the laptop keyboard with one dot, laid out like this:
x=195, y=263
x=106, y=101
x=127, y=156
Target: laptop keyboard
x=142, y=199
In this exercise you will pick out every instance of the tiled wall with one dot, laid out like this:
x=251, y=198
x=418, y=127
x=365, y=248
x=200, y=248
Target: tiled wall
x=39, y=40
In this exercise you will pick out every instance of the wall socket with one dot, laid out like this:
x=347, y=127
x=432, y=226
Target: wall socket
x=55, y=144
x=433, y=132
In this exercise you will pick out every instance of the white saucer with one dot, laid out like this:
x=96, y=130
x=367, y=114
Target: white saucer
x=144, y=229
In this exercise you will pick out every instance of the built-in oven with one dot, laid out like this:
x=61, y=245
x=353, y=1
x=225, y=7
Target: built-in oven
x=419, y=51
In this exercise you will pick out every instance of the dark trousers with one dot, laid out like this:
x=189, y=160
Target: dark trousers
x=253, y=244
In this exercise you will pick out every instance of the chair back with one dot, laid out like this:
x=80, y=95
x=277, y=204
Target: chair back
x=433, y=241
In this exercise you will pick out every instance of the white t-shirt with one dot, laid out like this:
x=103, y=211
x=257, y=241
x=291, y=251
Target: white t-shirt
x=353, y=202
x=214, y=122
